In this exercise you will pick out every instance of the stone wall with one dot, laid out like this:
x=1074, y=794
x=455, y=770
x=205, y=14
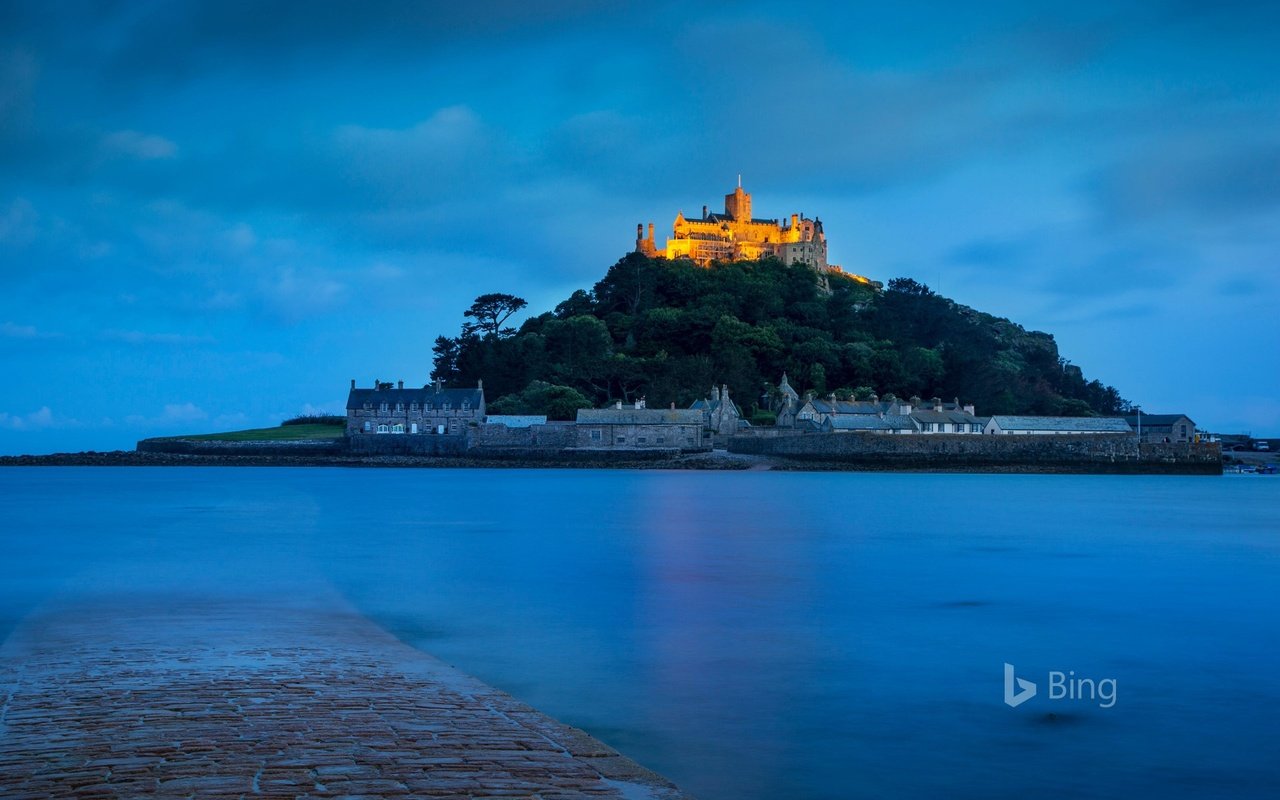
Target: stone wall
x=553, y=435
x=200, y=447
x=1101, y=452
x=390, y=444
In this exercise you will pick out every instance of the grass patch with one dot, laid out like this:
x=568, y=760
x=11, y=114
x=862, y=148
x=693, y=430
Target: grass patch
x=282, y=433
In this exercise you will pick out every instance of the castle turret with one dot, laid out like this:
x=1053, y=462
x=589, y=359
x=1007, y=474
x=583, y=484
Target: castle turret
x=738, y=205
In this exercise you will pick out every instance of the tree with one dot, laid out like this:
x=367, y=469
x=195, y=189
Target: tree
x=539, y=397
x=489, y=312
x=446, y=358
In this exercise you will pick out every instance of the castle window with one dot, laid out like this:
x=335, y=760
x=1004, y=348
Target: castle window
x=397, y=428
x=368, y=426
x=383, y=429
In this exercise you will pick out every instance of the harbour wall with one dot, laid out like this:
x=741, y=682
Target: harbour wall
x=1049, y=452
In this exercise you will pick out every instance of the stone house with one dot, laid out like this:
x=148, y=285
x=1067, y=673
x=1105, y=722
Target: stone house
x=784, y=402
x=870, y=423
x=1163, y=427
x=640, y=428
x=433, y=409
x=721, y=416
x=935, y=416
x=1056, y=425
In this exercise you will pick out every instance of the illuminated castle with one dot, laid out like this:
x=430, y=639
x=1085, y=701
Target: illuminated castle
x=736, y=236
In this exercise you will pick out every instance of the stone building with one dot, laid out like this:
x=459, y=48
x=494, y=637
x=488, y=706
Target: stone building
x=784, y=402
x=1163, y=427
x=737, y=236
x=433, y=409
x=720, y=416
x=639, y=428
x=1056, y=425
x=934, y=416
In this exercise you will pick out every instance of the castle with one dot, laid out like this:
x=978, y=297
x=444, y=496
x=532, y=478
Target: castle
x=737, y=236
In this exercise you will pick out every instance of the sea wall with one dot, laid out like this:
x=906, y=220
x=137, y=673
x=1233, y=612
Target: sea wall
x=1049, y=453
x=287, y=448
x=407, y=444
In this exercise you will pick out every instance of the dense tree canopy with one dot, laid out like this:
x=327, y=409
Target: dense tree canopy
x=669, y=330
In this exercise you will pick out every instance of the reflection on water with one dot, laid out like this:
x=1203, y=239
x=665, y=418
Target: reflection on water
x=753, y=634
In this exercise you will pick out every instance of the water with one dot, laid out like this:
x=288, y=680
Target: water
x=754, y=635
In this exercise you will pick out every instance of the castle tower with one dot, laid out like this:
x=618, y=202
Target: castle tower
x=738, y=204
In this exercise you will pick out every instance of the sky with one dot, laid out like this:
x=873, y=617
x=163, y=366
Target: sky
x=214, y=215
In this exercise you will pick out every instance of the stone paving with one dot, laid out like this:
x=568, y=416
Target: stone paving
x=201, y=699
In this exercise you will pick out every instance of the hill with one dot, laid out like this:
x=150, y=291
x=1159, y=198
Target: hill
x=669, y=330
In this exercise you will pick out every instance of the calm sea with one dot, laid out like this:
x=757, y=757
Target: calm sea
x=756, y=635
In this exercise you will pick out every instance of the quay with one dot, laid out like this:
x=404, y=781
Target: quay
x=197, y=698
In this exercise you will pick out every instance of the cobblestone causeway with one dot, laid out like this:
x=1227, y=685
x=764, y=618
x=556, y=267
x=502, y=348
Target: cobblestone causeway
x=199, y=699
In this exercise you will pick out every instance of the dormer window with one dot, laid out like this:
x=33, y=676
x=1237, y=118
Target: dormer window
x=382, y=407
x=445, y=405
x=427, y=405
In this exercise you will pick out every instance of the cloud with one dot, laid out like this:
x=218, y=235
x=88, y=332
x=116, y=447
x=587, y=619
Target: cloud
x=10, y=330
x=139, y=145
x=173, y=414
x=18, y=222
x=293, y=294
x=41, y=419
x=142, y=337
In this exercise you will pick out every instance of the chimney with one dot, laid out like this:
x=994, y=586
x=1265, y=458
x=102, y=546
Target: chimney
x=399, y=384
x=617, y=404
x=639, y=402
x=715, y=392
x=875, y=398
x=937, y=403
x=439, y=386
x=704, y=212
x=673, y=406
x=650, y=233
x=480, y=384
x=724, y=391
x=353, y=383
x=795, y=220
x=969, y=410
x=377, y=383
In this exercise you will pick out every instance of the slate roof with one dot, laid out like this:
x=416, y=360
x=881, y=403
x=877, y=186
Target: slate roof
x=1063, y=424
x=427, y=394
x=870, y=422
x=639, y=416
x=929, y=415
x=516, y=420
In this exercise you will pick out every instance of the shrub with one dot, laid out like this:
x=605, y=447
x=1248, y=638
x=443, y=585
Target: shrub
x=316, y=419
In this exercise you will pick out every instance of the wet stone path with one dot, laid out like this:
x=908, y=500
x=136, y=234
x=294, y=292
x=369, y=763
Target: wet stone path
x=236, y=700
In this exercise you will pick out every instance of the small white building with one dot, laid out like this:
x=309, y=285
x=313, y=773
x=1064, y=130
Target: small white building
x=1056, y=425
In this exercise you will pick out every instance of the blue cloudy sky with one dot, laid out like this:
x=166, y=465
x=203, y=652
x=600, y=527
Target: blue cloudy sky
x=212, y=215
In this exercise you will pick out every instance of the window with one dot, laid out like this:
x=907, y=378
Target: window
x=368, y=426
x=427, y=406
x=660, y=439
x=621, y=440
x=397, y=428
x=383, y=429
x=466, y=405
x=413, y=406
x=1184, y=431
x=445, y=405
x=642, y=440
x=595, y=436
x=382, y=406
